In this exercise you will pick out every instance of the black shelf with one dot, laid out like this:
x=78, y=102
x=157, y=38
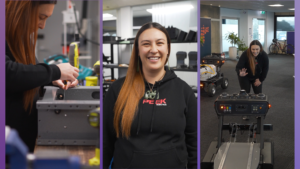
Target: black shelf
x=130, y=43
x=114, y=43
x=172, y=68
x=183, y=69
x=113, y=66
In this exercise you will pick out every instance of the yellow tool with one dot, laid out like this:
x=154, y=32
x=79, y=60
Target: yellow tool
x=91, y=81
x=94, y=120
x=73, y=55
x=97, y=67
x=73, y=58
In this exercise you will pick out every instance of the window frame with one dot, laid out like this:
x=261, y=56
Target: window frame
x=275, y=23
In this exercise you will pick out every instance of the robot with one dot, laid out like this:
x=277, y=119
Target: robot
x=256, y=153
x=210, y=76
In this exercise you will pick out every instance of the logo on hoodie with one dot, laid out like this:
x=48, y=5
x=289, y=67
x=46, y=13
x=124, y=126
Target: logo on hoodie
x=159, y=102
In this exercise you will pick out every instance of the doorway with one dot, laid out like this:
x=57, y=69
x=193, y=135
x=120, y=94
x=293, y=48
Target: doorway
x=228, y=25
x=259, y=30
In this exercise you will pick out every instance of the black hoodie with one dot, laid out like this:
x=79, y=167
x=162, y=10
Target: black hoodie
x=18, y=79
x=261, y=66
x=163, y=135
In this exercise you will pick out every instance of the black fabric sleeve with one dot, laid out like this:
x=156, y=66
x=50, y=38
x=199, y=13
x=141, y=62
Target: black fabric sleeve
x=109, y=134
x=191, y=129
x=265, y=67
x=241, y=63
x=20, y=77
x=49, y=84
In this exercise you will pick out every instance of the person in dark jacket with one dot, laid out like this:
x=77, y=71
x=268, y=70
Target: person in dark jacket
x=150, y=116
x=24, y=75
x=252, y=67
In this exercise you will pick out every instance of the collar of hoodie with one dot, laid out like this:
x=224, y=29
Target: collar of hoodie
x=169, y=75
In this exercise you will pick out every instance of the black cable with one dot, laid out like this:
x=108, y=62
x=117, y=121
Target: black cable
x=84, y=10
x=91, y=41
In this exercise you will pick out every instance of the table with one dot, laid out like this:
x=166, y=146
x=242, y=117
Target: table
x=84, y=152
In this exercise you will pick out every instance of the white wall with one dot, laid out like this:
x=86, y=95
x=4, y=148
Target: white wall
x=51, y=44
x=245, y=22
x=241, y=15
x=184, y=20
x=124, y=22
x=269, y=27
x=270, y=30
x=189, y=77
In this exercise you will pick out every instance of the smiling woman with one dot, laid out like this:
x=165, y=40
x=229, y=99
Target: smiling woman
x=24, y=75
x=256, y=61
x=153, y=53
x=150, y=116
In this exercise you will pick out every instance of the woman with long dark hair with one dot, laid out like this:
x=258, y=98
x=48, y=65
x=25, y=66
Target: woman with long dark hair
x=24, y=75
x=150, y=116
x=252, y=68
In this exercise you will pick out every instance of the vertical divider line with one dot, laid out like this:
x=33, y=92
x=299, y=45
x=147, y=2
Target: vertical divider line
x=198, y=84
x=296, y=96
x=101, y=80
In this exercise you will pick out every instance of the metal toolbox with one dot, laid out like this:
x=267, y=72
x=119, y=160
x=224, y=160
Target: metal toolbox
x=63, y=116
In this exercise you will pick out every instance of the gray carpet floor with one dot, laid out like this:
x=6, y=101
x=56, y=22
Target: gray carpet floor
x=279, y=86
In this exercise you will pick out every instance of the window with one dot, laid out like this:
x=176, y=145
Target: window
x=228, y=25
x=284, y=24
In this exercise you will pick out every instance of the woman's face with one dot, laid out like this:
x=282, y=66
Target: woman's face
x=153, y=49
x=255, y=49
x=45, y=11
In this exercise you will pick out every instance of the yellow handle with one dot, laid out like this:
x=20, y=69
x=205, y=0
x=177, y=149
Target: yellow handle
x=95, y=161
x=210, y=68
x=76, y=58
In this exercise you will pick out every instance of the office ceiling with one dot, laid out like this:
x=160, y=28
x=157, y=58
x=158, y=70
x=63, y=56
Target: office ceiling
x=252, y=5
x=115, y=4
x=139, y=6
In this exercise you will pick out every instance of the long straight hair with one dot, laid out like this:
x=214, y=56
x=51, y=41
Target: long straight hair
x=21, y=27
x=250, y=55
x=133, y=88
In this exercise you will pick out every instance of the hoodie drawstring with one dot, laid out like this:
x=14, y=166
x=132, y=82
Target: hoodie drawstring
x=154, y=106
x=140, y=117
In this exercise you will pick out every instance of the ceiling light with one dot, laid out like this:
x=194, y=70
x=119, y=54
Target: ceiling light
x=210, y=4
x=107, y=15
x=170, y=9
x=276, y=5
x=219, y=5
x=292, y=9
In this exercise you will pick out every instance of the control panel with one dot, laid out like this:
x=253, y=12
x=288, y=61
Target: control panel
x=242, y=104
x=216, y=59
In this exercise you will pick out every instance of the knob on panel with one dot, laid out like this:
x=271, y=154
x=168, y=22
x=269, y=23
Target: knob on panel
x=261, y=95
x=243, y=93
x=224, y=94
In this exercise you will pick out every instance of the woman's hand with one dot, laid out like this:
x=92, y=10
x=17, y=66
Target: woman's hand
x=257, y=82
x=68, y=72
x=243, y=72
x=61, y=84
